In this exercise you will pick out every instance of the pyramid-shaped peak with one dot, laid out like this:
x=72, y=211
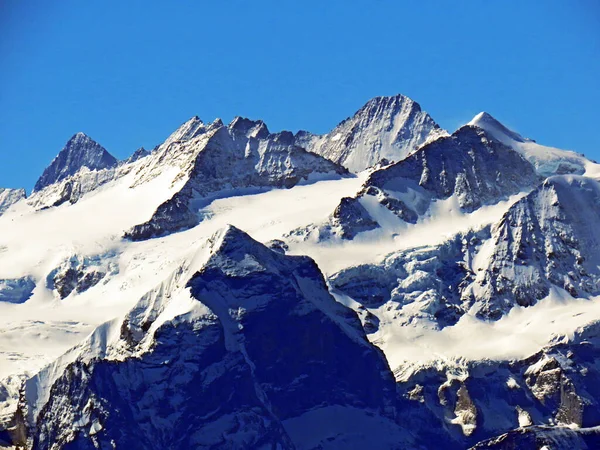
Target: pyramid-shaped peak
x=138, y=154
x=389, y=128
x=188, y=130
x=79, y=138
x=230, y=240
x=484, y=118
x=394, y=102
x=487, y=122
x=80, y=151
x=235, y=253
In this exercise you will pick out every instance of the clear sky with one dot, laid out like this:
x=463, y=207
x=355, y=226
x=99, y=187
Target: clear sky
x=127, y=73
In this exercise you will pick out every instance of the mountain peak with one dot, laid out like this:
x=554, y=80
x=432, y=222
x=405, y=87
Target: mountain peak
x=487, y=122
x=248, y=127
x=383, y=128
x=80, y=151
x=391, y=99
x=138, y=154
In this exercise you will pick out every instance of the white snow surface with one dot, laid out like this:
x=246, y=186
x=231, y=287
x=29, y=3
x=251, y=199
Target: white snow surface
x=521, y=333
x=547, y=160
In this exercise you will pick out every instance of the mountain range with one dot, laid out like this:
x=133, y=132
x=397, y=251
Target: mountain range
x=387, y=285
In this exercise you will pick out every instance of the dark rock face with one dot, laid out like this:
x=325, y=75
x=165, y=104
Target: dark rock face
x=544, y=437
x=80, y=151
x=469, y=164
x=350, y=211
x=190, y=392
x=172, y=215
x=263, y=343
x=243, y=155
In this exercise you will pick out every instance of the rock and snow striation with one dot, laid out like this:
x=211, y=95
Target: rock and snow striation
x=80, y=151
x=388, y=128
x=219, y=160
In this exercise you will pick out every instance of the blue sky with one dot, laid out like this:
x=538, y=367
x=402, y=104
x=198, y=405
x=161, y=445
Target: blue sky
x=127, y=73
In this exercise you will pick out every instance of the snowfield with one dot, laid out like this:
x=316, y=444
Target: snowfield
x=38, y=331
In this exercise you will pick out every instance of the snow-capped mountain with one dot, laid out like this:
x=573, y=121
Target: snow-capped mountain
x=547, y=160
x=212, y=331
x=384, y=128
x=240, y=288
x=469, y=168
x=80, y=151
x=225, y=159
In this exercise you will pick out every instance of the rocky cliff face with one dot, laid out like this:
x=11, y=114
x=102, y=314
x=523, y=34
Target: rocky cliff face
x=549, y=238
x=475, y=401
x=80, y=151
x=384, y=128
x=470, y=164
x=198, y=362
x=138, y=154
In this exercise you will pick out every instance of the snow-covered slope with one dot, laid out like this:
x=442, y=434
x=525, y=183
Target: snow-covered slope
x=9, y=197
x=37, y=326
x=550, y=238
x=547, y=160
x=384, y=128
x=80, y=151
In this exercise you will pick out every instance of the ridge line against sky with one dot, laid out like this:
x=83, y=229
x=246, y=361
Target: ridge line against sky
x=129, y=73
